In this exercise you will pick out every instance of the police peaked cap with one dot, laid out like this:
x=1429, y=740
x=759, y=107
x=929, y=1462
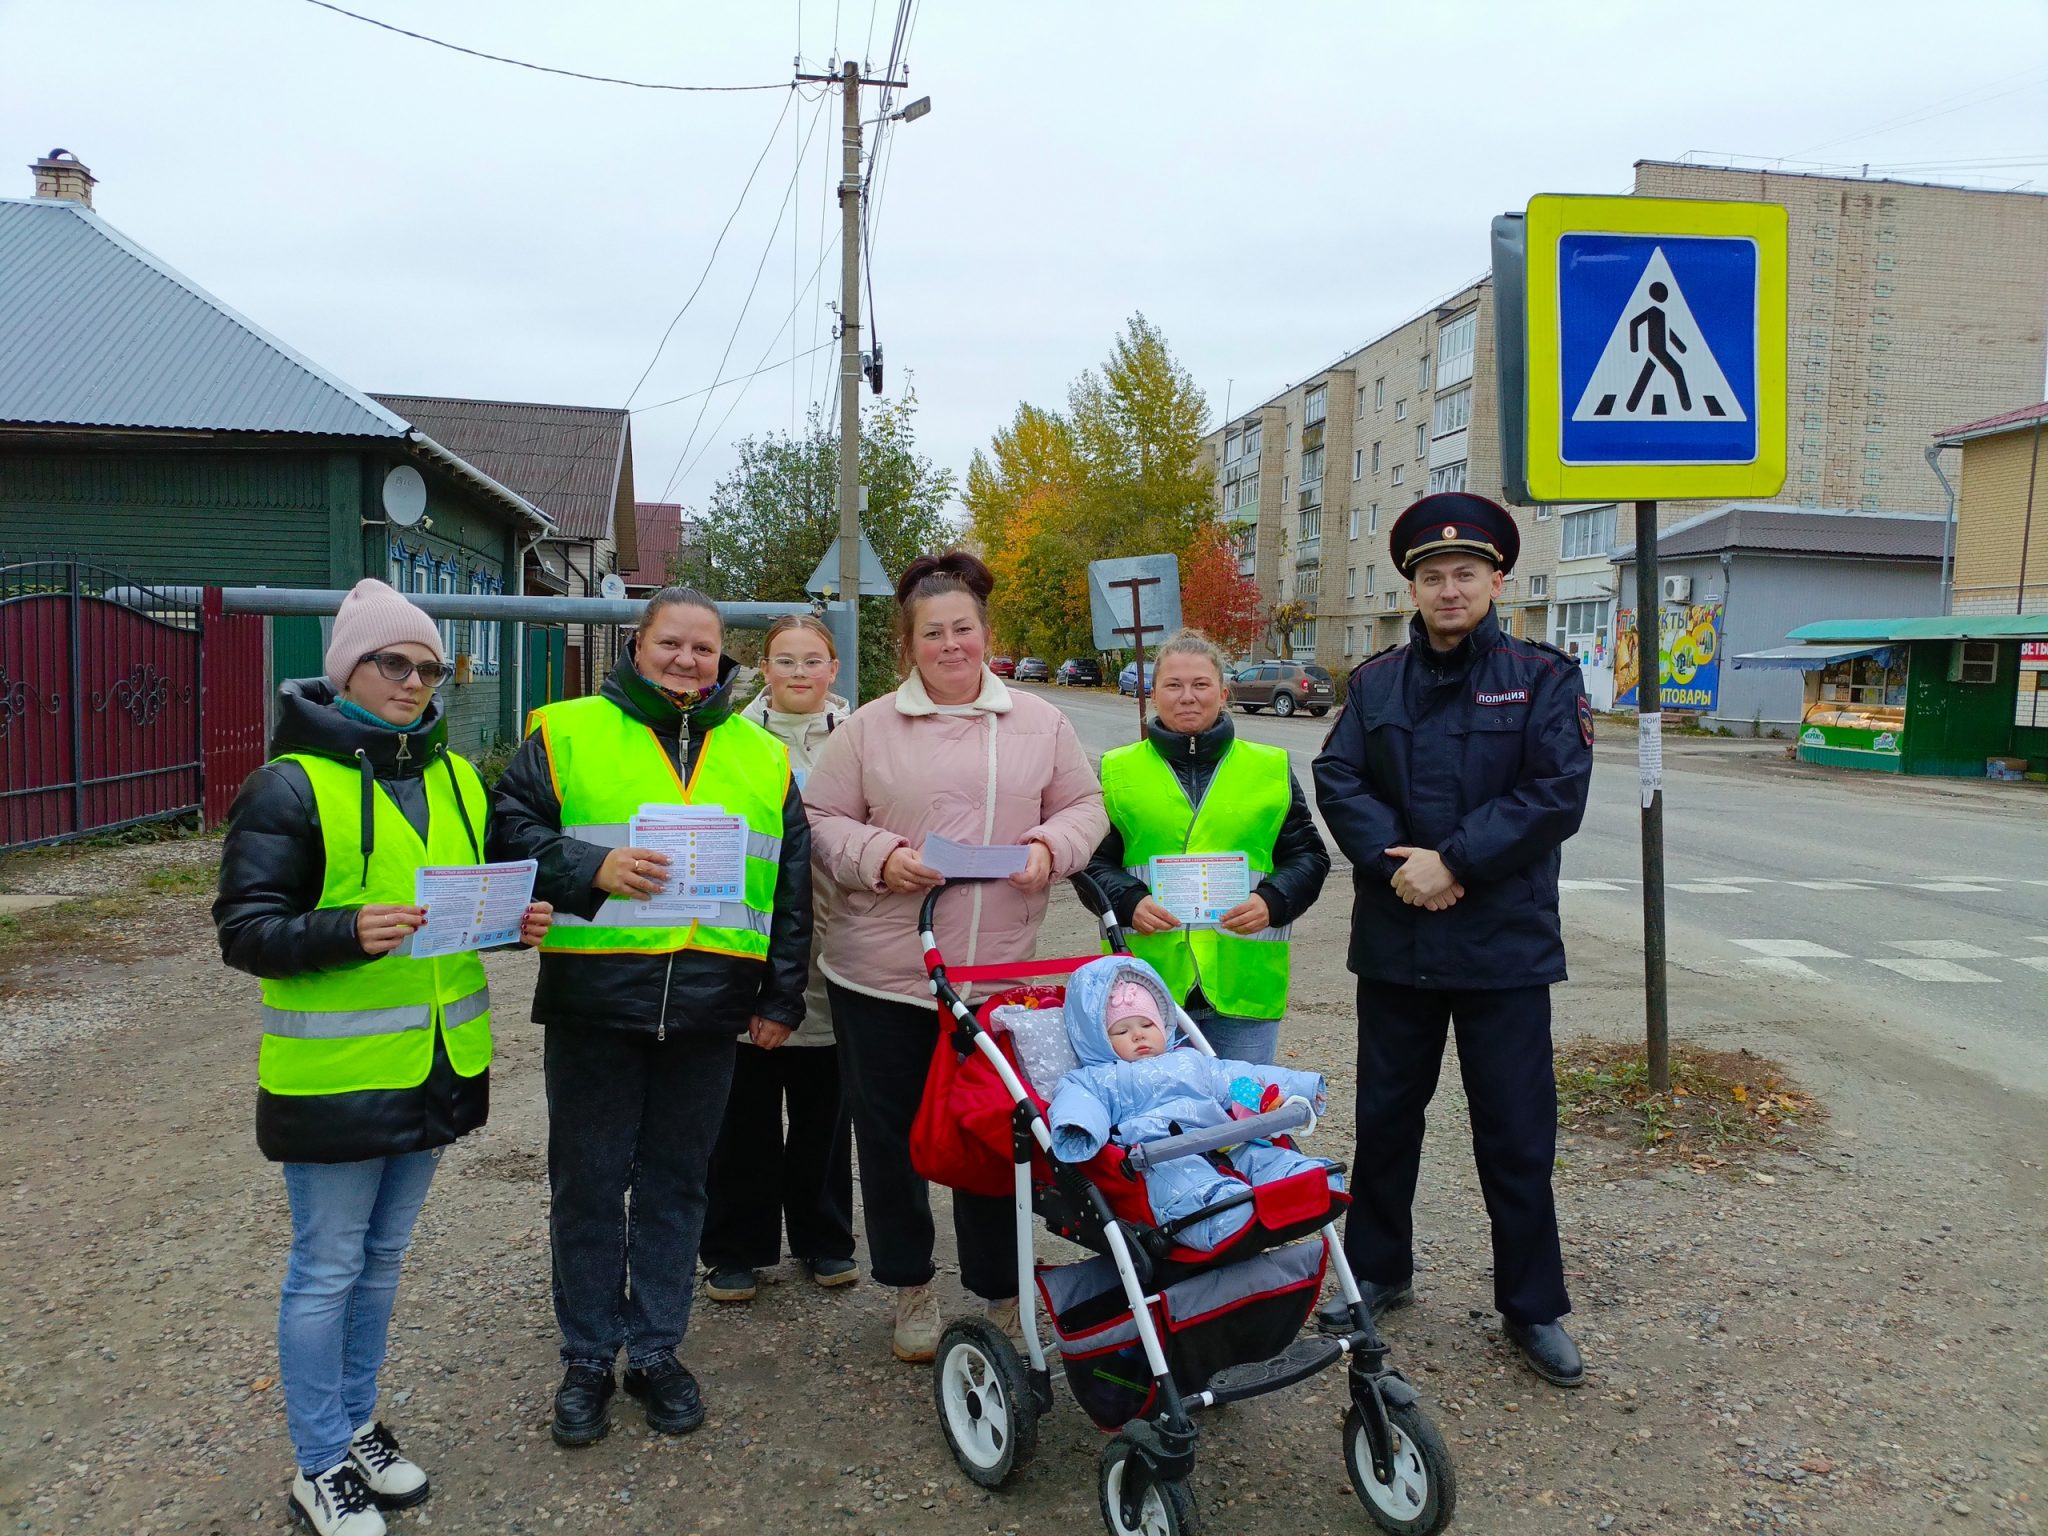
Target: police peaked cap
x=1454, y=522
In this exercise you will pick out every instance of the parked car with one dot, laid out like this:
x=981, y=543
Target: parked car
x=1283, y=687
x=1127, y=680
x=1079, y=672
x=1032, y=669
x=1003, y=666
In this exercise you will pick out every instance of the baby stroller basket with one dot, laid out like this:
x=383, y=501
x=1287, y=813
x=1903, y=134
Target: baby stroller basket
x=1222, y=1317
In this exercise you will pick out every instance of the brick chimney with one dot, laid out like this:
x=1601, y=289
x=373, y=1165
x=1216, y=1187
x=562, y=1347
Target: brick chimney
x=59, y=174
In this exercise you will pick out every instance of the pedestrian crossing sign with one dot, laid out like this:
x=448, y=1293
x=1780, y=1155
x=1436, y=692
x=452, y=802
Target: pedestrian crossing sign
x=1656, y=349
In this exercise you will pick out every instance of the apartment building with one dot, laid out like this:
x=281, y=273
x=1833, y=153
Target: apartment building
x=2001, y=555
x=1913, y=306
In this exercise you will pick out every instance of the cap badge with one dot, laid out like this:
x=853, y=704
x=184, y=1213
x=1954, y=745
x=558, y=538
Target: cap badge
x=1450, y=533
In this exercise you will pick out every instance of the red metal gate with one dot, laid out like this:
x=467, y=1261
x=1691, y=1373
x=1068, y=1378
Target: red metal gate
x=99, y=703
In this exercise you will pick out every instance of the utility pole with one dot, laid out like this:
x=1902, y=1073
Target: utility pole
x=849, y=359
x=849, y=80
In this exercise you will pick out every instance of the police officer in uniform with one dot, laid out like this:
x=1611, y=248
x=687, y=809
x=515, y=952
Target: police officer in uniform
x=1458, y=768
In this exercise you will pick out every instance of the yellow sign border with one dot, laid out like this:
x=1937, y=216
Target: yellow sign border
x=1549, y=477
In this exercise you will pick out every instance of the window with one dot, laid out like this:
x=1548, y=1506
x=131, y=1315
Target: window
x=1447, y=477
x=1542, y=514
x=1454, y=345
x=1358, y=463
x=1393, y=598
x=1580, y=627
x=477, y=587
x=1452, y=413
x=444, y=581
x=1375, y=458
x=1372, y=518
x=1354, y=522
x=1397, y=472
x=1369, y=572
x=1583, y=535
x=1312, y=467
x=1252, y=435
x=1400, y=410
x=1351, y=581
x=1312, y=526
x=1379, y=393
x=1421, y=441
x=1316, y=407
x=1422, y=373
x=1283, y=488
x=401, y=562
x=1360, y=411
x=1539, y=586
x=1350, y=640
x=1233, y=444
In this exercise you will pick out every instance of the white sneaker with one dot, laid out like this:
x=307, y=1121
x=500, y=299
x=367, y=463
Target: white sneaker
x=336, y=1503
x=917, y=1324
x=393, y=1481
x=1004, y=1315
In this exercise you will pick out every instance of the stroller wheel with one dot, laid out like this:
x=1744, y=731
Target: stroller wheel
x=1168, y=1508
x=985, y=1402
x=1423, y=1491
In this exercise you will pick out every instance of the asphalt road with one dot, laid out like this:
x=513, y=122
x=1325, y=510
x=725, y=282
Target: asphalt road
x=1918, y=909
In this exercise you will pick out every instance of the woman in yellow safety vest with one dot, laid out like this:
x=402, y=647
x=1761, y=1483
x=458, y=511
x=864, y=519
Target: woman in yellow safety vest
x=372, y=1060
x=1192, y=788
x=642, y=1000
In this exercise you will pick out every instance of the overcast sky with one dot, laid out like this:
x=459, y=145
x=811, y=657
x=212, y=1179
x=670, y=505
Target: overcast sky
x=1271, y=183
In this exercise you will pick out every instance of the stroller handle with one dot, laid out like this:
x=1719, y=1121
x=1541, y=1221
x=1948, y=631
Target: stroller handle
x=1150, y=1154
x=1083, y=882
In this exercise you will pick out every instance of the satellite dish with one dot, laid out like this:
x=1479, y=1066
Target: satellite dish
x=613, y=586
x=405, y=495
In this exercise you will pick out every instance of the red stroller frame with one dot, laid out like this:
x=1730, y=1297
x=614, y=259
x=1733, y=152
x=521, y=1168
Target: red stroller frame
x=989, y=1401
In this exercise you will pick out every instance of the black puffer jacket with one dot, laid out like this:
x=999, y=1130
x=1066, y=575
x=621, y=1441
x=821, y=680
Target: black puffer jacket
x=270, y=923
x=652, y=994
x=1300, y=861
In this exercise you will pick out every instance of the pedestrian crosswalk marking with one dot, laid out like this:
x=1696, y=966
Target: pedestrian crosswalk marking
x=1942, y=949
x=1708, y=888
x=1657, y=364
x=2038, y=962
x=1832, y=885
x=1949, y=885
x=1790, y=970
x=1589, y=885
x=1934, y=970
x=1792, y=949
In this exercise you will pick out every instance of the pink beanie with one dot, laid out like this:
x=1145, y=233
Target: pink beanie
x=1129, y=999
x=374, y=616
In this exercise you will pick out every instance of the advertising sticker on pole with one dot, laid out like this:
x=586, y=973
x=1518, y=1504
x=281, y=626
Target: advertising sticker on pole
x=1689, y=653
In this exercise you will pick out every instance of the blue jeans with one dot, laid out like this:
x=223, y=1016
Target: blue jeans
x=351, y=1225
x=1254, y=1040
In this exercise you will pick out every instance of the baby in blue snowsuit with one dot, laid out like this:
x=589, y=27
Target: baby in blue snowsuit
x=1139, y=1080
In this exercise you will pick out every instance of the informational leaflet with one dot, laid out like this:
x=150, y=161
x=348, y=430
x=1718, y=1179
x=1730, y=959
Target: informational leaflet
x=470, y=906
x=707, y=862
x=974, y=861
x=1650, y=755
x=1198, y=888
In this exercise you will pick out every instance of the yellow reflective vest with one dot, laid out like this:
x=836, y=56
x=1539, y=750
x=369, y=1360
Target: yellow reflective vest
x=1241, y=812
x=606, y=765
x=372, y=1026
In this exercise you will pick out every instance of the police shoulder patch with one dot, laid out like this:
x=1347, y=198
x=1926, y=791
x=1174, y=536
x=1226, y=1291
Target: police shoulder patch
x=1586, y=718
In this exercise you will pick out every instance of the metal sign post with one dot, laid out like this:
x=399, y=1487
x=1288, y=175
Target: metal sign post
x=1642, y=357
x=1138, y=629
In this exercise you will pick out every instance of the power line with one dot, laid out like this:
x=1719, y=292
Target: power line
x=1940, y=108
x=706, y=273
x=545, y=69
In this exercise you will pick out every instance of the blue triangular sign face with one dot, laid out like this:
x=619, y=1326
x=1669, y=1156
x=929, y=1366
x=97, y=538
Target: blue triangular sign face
x=1657, y=364
x=874, y=581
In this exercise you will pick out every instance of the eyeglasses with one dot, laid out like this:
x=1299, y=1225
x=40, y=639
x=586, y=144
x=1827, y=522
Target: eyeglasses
x=790, y=666
x=396, y=668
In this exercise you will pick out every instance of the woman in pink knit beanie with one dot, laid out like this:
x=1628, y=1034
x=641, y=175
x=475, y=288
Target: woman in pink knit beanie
x=373, y=1059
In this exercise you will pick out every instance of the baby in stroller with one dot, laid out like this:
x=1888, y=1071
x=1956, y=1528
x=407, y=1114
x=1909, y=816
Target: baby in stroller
x=1140, y=1080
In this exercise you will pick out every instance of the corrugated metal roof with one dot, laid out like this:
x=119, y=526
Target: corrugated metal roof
x=568, y=460
x=1778, y=529
x=2025, y=416
x=1955, y=626
x=100, y=333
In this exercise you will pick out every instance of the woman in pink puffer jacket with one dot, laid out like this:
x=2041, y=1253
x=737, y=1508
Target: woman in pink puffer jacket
x=953, y=752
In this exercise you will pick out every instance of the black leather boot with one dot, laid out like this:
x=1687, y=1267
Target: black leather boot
x=1334, y=1315
x=582, y=1407
x=1549, y=1350
x=674, y=1406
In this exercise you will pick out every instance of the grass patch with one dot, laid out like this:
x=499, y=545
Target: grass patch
x=183, y=879
x=1723, y=1105
x=91, y=927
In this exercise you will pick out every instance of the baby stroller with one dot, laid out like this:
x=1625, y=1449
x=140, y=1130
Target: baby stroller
x=1148, y=1331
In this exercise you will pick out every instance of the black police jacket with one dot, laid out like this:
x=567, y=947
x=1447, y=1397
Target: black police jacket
x=270, y=923
x=1484, y=754
x=689, y=991
x=1300, y=861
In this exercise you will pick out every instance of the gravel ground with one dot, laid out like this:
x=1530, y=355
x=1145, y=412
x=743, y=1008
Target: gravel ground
x=1854, y=1347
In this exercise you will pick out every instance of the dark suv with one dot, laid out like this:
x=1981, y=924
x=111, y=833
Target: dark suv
x=1284, y=687
x=1079, y=672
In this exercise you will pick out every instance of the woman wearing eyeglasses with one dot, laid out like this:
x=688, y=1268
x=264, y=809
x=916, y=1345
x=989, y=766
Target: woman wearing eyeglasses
x=372, y=1061
x=764, y=1179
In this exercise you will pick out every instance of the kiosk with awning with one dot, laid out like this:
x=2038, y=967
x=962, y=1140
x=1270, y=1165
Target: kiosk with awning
x=1961, y=696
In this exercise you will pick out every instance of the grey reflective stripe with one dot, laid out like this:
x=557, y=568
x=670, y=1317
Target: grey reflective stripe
x=612, y=834
x=726, y=914
x=347, y=1023
x=462, y=1009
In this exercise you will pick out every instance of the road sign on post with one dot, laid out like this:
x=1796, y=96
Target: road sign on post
x=1642, y=358
x=1131, y=601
